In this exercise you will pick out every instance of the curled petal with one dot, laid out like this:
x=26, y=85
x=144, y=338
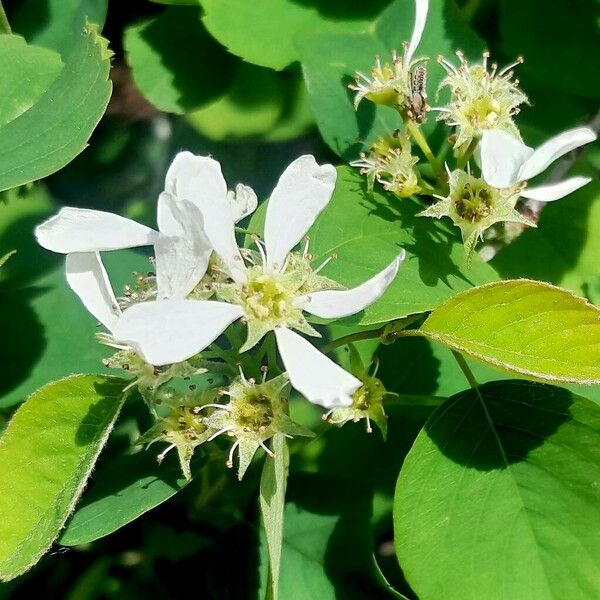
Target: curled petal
x=302, y=192
x=169, y=331
x=88, y=279
x=501, y=156
x=242, y=202
x=182, y=250
x=86, y=230
x=332, y=304
x=555, y=191
x=421, y=8
x=554, y=148
x=314, y=375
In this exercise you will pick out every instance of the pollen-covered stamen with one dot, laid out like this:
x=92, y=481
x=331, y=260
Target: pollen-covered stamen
x=219, y=432
x=229, y=462
x=164, y=453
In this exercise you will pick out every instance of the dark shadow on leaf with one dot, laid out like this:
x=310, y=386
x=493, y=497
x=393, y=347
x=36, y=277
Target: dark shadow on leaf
x=345, y=9
x=23, y=335
x=511, y=419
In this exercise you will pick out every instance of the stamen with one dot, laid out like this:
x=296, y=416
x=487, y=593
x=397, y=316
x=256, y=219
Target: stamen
x=369, y=428
x=326, y=261
x=518, y=61
x=450, y=68
x=229, y=462
x=162, y=455
x=326, y=415
x=218, y=433
x=197, y=409
x=264, y=370
x=307, y=239
x=269, y=452
x=242, y=376
x=260, y=245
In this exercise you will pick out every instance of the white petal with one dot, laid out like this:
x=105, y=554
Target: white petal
x=554, y=148
x=199, y=179
x=169, y=331
x=501, y=157
x=314, y=375
x=302, y=192
x=182, y=250
x=86, y=230
x=88, y=279
x=421, y=8
x=333, y=304
x=555, y=191
x=242, y=202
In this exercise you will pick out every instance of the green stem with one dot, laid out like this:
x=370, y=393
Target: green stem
x=353, y=337
x=419, y=138
x=4, y=24
x=464, y=367
x=464, y=159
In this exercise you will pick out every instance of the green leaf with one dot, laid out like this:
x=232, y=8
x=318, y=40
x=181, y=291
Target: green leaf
x=175, y=62
x=55, y=23
x=275, y=23
x=56, y=128
x=574, y=24
x=5, y=257
x=366, y=232
x=273, y=483
x=46, y=456
x=26, y=74
x=330, y=61
x=252, y=106
x=121, y=491
x=499, y=497
x=44, y=347
x=525, y=327
x=565, y=246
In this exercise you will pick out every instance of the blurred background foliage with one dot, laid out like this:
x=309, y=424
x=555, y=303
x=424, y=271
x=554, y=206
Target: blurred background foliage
x=256, y=84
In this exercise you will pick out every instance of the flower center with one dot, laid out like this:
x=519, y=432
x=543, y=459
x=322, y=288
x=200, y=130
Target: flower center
x=267, y=297
x=254, y=412
x=473, y=200
x=483, y=112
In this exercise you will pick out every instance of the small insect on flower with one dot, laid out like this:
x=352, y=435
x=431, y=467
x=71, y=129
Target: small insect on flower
x=416, y=103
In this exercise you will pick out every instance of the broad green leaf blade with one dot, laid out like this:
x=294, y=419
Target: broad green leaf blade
x=275, y=23
x=366, y=231
x=522, y=326
x=26, y=74
x=565, y=246
x=176, y=64
x=273, y=484
x=57, y=23
x=499, y=497
x=56, y=128
x=121, y=491
x=330, y=61
x=46, y=456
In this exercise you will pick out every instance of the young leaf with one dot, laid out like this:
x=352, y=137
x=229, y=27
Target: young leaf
x=46, y=455
x=525, y=327
x=273, y=483
x=56, y=128
x=121, y=491
x=498, y=497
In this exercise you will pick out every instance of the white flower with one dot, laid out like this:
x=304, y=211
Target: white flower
x=181, y=248
x=506, y=162
x=271, y=295
x=391, y=84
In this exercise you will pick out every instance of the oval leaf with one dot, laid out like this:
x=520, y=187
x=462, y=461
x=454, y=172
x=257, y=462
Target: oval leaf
x=122, y=490
x=46, y=456
x=56, y=128
x=499, y=497
x=523, y=326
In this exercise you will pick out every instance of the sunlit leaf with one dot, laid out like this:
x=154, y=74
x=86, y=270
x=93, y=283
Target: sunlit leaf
x=46, y=456
x=525, y=327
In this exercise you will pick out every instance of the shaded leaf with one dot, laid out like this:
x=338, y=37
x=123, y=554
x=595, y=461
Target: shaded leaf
x=498, y=498
x=176, y=64
x=46, y=455
x=525, y=327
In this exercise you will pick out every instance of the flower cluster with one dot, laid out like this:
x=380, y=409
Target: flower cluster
x=168, y=326
x=483, y=102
